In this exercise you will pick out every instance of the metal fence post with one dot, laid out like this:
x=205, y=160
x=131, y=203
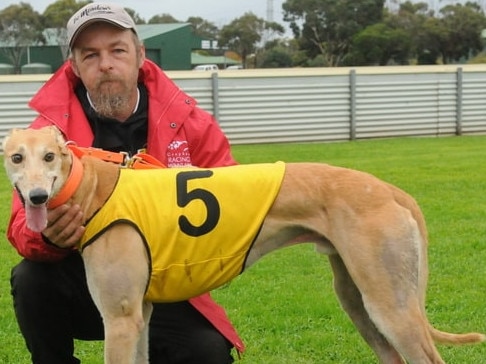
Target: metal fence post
x=459, y=91
x=352, y=104
x=215, y=92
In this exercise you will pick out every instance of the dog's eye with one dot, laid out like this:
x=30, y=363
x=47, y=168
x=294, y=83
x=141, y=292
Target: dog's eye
x=49, y=157
x=16, y=158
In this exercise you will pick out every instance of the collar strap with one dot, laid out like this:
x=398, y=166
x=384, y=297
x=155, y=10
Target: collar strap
x=71, y=184
x=141, y=160
x=118, y=158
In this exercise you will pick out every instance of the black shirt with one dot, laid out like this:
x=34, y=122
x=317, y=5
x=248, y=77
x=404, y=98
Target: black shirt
x=110, y=134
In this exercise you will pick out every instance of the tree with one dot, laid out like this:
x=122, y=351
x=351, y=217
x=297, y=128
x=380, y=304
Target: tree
x=135, y=16
x=55, y=18
x=245, y=33
x=394, y=39
x=163, y=19
x=379, y=44
x=20, y=27
x=277, y=57
x=327, y=27
x=464, y=24
x=203, y=28
x=432, y=42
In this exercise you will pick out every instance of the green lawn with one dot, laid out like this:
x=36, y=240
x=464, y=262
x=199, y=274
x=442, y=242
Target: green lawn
x=284, y=306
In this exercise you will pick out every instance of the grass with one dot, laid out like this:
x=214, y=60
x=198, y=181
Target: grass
x=284, y=307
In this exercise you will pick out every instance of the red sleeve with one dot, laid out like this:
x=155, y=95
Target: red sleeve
x=30, y=244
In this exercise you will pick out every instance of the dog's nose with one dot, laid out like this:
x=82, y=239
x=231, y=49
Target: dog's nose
x=38, y=196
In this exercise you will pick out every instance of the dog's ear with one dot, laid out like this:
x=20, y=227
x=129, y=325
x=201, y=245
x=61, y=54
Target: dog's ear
x=8, y=135
x=58, y=137
x=13, y=131
x=51, y=129
x=5, y=140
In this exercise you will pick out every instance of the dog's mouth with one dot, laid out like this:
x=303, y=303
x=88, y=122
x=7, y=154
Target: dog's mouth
x=19, y=193
x=35, y=205
x=36, y=216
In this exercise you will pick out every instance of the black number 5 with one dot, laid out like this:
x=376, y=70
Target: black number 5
x=184, y=197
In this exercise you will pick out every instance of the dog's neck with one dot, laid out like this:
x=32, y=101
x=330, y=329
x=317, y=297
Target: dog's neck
x=71, y=184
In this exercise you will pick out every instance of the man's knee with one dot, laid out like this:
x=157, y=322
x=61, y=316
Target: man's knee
x=30, y=277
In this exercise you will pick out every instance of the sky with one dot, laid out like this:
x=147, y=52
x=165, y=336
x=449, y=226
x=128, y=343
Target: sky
x=219, y=12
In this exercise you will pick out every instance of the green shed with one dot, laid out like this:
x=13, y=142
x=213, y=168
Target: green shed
x=168, y=45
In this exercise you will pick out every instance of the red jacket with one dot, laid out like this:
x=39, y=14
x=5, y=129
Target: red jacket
x=178, y=133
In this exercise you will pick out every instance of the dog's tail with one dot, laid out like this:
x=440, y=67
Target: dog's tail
x=456, y=339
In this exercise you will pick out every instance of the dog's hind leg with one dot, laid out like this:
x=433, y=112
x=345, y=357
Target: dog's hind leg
x=391, y=274
x=352, y=303
x=406, y=328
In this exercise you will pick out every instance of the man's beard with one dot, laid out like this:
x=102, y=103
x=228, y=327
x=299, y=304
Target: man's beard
x=109, y=102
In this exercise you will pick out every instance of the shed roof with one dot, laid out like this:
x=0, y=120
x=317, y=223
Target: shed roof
x=146, y=31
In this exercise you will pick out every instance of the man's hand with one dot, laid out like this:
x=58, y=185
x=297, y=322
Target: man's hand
x=64, y=226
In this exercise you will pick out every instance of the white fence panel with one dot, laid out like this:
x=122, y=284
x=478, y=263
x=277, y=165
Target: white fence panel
x=314, y=104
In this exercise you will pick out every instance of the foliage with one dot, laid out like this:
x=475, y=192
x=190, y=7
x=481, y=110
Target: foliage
x=431, y=42
x=480, y=58
x=245, y=33
x=56, y=17
x=203, y=28
x=58, y=13
x=277, y=57
x=326, y=27
x=163, y=19
x=380, y=44
x=334, y=30
x=135, y=16
x=20, y=27
x=463, y=24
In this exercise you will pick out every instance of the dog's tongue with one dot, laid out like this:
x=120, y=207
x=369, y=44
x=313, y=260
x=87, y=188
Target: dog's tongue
x=36, y=217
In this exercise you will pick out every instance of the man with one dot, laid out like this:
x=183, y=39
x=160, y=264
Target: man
x=109, y=96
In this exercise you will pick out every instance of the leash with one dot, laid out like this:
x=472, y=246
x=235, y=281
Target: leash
x=141, y=160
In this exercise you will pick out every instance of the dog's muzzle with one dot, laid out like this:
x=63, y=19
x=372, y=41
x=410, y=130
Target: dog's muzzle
x=38, y=196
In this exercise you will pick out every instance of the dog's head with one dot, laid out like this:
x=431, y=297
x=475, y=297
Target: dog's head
x=37, y=163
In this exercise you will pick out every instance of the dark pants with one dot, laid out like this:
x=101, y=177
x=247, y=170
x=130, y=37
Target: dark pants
x=53, y=306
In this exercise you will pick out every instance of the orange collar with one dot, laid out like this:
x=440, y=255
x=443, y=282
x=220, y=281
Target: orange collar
x=71, y=184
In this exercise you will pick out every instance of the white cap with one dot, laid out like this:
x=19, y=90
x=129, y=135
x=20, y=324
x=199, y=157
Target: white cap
x=95, y=12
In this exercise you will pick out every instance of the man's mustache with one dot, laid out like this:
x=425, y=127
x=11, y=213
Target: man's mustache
x=105, y=79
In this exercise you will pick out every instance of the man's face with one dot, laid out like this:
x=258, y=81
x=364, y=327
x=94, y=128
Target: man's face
x=107, y=59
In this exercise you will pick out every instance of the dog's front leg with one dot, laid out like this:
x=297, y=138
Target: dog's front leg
x=117, y=273
x=143, y=343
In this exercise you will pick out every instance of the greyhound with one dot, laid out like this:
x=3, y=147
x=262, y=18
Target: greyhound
x=199, y=228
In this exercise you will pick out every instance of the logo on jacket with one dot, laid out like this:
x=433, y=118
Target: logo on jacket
x=178, y=154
